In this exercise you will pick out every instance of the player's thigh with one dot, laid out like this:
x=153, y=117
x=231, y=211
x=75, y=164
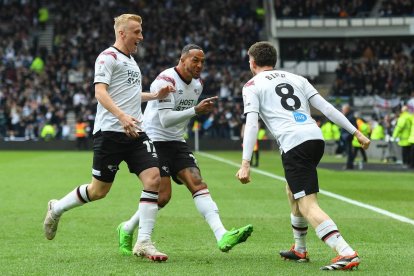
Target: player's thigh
x=142, y=159
x=107, y=155
x=300, y=165
x=166, y=153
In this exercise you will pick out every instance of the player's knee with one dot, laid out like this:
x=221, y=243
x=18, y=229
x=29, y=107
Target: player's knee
x=198, y=185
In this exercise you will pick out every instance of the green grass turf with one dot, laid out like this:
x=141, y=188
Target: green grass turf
x=86, y=242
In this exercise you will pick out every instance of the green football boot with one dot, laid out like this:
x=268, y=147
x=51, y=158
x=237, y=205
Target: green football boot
x=125, y=241
x=233, y=237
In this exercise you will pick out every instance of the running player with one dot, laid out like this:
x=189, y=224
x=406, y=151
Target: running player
x=283, y=102
x=165, y=122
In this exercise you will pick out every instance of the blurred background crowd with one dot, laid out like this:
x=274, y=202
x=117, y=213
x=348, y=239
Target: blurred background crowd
x=48, y=50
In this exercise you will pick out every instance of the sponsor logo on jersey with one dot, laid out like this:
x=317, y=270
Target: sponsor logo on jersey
x=180, y=92
x=100, y=75
x=134, y=77
x=184, y=104
x=124, y=63
x=299, y=117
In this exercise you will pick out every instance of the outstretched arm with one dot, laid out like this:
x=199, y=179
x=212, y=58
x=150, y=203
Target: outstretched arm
x=169, y=117
x=338, y=118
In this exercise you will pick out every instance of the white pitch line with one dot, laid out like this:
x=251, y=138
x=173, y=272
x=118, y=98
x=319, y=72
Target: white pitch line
x=329, y=194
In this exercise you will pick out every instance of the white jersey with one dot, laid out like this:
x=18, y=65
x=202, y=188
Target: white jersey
x=186, y=96
x=282, y=101
x=123, y=77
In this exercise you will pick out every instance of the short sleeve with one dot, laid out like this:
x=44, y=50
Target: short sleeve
x=250, y=97
x=161, y=81
x=104, y=66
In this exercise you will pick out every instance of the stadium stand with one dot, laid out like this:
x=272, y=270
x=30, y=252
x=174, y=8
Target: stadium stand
x=348, y=49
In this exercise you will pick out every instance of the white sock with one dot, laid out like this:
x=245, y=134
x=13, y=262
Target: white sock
x=148, y=209
x=76, y=198
x=328, y=232
x=209, y=210
x=300, y=229
x=132, y=223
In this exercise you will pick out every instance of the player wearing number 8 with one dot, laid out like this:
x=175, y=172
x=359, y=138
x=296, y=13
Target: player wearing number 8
x=283, y=102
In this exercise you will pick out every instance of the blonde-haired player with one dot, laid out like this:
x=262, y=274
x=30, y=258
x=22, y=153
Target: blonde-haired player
x=118, y=135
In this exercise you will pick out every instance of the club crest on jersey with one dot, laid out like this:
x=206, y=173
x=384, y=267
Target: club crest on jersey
x=197, y=91
x=299, y=117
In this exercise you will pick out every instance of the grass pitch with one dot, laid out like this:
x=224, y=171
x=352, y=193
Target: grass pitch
x=86, y=242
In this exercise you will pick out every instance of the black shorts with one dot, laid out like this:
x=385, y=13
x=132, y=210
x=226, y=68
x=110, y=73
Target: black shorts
x=173, y=157
x=111, y=148
x=300, y=167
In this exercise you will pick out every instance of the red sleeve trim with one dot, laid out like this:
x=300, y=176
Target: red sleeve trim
x=166, y=78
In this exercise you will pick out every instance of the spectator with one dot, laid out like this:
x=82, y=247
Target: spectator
x=364, y=128
x=81, y=135
x=402, y=133
x=346, y=137
x=48, y=132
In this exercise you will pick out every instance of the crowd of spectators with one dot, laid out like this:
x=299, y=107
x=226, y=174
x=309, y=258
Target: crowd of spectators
x=61, y=81
x=40, y=86
x=322, y=8
x=388, y=78
x=374, y=66
x=292, y=9
x=341, y=48
x=396, y=8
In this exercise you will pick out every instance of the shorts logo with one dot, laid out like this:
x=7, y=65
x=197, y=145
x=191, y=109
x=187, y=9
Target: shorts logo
x=195, y=160
x=166, y=169
x=113, y=168
x=96, y=172
x=299, y=117
x=299, y=195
